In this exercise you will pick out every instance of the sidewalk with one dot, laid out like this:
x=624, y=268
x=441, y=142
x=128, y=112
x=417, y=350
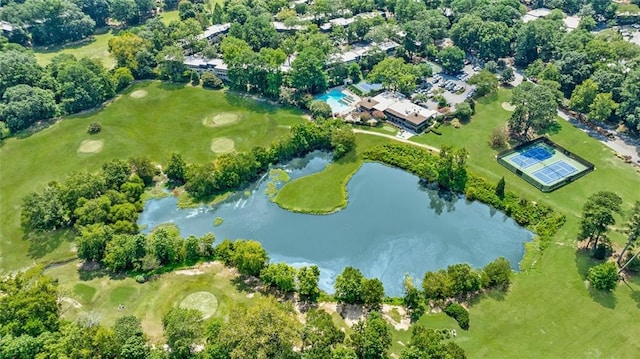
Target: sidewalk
x=621, y=144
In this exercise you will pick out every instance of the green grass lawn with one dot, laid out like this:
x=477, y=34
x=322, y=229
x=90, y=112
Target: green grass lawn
x=169, y=119
x=96, y=48
x=169, y=16
x=325, y=191
x=99, y=298
x=630, y=8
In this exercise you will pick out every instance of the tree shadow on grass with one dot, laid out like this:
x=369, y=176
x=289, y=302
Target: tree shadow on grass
x=43, y=243
x=554, y=129
x=246, y=284
x=584, y=261
x=171, y=86
x=635, y=293
x=251, y=102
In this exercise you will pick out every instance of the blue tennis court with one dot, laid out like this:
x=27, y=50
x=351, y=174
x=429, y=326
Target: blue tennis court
x=531, y=157
x=554, y=172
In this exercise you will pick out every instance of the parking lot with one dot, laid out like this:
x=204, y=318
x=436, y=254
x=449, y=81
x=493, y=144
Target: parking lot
x=453, y=88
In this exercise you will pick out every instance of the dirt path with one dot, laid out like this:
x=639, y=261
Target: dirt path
x=430, y=148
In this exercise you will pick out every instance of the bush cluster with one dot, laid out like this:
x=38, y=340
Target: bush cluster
x=94, y=127
x=457, y=312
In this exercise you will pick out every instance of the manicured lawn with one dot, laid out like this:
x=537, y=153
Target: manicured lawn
x=148, y=301
x=96, y=48
x=169, y=119
x=325, y=191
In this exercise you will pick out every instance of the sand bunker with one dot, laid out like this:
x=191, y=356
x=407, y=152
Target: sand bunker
x=222, y=145
x=221, y=119
x=205, y=302
x=139, y=94
x=508, y=107
x=91, y=146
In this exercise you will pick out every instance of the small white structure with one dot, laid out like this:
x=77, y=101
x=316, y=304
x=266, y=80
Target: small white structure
x=214, y=30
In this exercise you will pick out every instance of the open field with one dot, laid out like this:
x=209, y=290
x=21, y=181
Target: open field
x=168, y=119
x=99, y=298
x=96, y=48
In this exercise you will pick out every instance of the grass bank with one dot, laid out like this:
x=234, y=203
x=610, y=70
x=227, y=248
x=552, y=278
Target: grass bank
x=166, y=119
x=325, y=192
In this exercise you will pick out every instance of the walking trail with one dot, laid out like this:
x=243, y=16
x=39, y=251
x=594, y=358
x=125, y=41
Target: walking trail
x=430, y=148
x=621, y=144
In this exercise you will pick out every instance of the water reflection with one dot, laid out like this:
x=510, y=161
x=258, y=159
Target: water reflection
x=392, y=226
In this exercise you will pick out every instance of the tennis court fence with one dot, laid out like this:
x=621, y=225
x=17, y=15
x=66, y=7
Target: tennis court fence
x=532, y=181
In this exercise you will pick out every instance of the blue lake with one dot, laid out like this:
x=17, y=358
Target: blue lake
x=392, y=226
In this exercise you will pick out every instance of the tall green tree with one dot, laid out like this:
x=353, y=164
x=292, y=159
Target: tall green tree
x=602, y=107
x=371, y=338
x=249, y=257
x=25, y=105
x=29, y=304
x=279, y=275
x=267, y=329
x=535, y=110
x=486, y=83
x=307, y=71
x=452, y=59
x=429, y=343
x=182, y=329
x=320, y=335
x=583, y=96
x=176, y=169
x=597, y=215
x=308, y=278
x=18, y=67
x=348, y=286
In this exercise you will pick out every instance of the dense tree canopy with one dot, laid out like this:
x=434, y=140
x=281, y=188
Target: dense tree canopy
x=535, y=110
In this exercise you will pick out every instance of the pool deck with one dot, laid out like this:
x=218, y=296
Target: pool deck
x=350, y=105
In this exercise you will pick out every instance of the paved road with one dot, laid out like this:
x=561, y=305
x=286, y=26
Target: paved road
x=430, y=148
x=625, y=148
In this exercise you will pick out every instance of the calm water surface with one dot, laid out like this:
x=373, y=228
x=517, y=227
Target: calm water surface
x=392, y=226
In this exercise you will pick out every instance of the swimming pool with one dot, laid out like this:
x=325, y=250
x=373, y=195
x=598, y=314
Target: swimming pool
x=337, y=100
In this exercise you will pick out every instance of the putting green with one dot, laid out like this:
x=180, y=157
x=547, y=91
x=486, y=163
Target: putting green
x=221, y=119
x=205, y=302
x=508, y=107
x=139, y=94
x=222, y=145
x=91, y=146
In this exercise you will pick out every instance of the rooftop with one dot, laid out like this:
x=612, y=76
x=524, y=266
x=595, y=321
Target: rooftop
x=214, y=30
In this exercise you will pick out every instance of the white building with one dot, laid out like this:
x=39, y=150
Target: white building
x=201, y=64
x=214, y=30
